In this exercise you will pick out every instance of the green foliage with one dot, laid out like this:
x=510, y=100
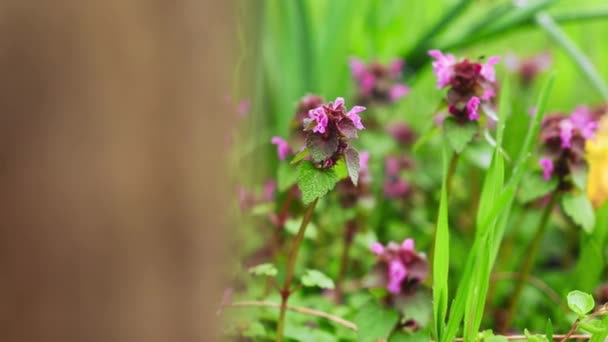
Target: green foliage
x=580, y=302
x=314, y=278
x=441, y=259
x=459, y=134
x=591, y=262
x=534, y=187
x=314, y=182
x=286, y=176
x=579, y=209
x=535, y=338
x=375, y=322
x=267, y=269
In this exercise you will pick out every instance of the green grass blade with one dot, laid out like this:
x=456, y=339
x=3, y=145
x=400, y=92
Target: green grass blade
x=545, y=21
x=590, y=265
x=441, y=257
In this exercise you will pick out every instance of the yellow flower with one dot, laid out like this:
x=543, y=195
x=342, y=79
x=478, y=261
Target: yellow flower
x=597, y=157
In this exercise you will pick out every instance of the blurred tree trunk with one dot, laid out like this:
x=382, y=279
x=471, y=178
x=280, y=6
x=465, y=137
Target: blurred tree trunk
x=110, y=168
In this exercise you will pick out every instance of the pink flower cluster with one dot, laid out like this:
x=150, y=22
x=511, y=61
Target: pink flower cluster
x=471, y=83
x=403, y=265
x=395, y=186
x=378, y=82
x=564, y=139
x=334, y=110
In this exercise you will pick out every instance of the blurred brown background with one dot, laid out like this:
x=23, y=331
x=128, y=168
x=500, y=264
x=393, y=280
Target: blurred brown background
x=110, y=168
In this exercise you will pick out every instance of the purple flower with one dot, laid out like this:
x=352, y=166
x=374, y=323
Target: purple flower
x=395, y=188
x=364, y=174
x=565, y=134
x=401, y=265
x=398, y=91
x=282, y=147
x=443, y=67
x=396, y=274
x=547, y=165
x=472, y=107
x=377, y=248
x=319, y=116
x=582, y=118
x=487, y=70
x=377, y=82
x=401, y=132
x=528, y=68
x=470, y=83
x=354, y=117
x=270, y=187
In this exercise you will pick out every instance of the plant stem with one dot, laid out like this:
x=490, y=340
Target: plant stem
x=298, y=309
x=530, y=255
x=291, y=262
x=349, y=234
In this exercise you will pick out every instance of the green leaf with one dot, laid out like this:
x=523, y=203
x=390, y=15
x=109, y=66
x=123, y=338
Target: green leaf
x=375, y=322
x=299, y=157
x=313, y=182
x=314, y=278
x=286, y=176
x=266, y=269
x=459, y=134
x=549, y=330
x=535, y=338
x=594, y=327
x=352, y=164
x=580, y=302
x=417, y=307
x=488, y=336
x=321, y=147
x=340, y=169
x=579, y=209
x=534, y=186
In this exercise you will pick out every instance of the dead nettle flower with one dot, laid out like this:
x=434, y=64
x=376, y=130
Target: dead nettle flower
x=248, y=198
x=379, y=83
x=401, y=132
x=329, y=128
x=395, y=186
x=306, y=103
x=403, y=268
x=528, y=68
x=563, y=139
x=472, y=85
x=283, y=149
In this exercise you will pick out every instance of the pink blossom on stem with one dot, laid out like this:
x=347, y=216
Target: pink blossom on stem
x=566, y=128
x=318, y=114
x=408, y=245
x=354, y=116
x=547, y=165
x=396, y=66
x=472, y=107
x=282, y=147
x=443, y=67
x=396, y=274
x=377, y=248
x=398, y=91
x=487, y=69
x=582, y=119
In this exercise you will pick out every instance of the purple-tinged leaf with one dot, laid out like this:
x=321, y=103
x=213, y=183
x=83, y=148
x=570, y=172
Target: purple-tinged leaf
x=352, y=164
x=348, y=129
x=321, y=147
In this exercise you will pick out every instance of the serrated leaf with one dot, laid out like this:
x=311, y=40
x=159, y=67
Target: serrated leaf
x=375, y=322
x=534, y=186
x=286, y=176
x=321, y=147
x=459, y=134
x=299, y=157
x=580, y=302
x=340, y=169
x=266, y=269
x=417, y=307
x=314, y=278
x=313, y=182
x=579, y=209
x=352, y=164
